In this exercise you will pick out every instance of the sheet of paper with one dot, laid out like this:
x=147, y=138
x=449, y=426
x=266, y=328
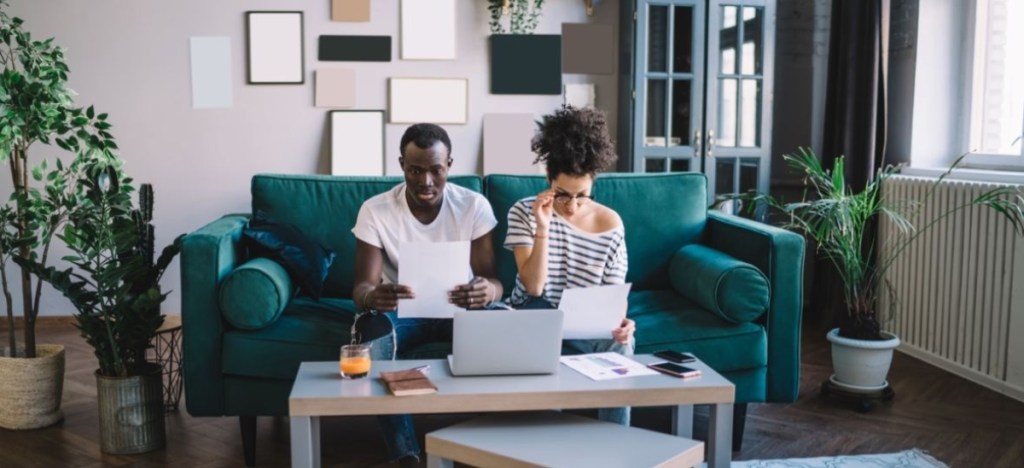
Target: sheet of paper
x=432, y=269
x=593, y=312
x=606, y=366
x=211, y=72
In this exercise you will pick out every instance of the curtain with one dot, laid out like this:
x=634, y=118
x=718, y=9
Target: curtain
x=855, y=117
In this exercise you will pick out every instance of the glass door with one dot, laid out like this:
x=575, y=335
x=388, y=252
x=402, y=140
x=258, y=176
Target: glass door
x=669, y=86
x=702, y=90
x=738, y=116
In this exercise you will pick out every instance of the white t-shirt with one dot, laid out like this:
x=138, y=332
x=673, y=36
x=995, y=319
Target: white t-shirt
x=385, y=220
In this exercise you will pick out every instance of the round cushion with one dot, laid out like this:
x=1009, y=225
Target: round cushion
x=734, y=290
x=254, y=294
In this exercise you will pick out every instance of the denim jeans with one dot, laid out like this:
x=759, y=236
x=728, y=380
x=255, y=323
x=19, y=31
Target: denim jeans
x=388, y=336
x=570, y=347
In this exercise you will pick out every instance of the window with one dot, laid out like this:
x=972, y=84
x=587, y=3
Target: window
x=995, y=116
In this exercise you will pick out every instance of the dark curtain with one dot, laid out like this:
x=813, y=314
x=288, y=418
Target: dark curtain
x=855, y=116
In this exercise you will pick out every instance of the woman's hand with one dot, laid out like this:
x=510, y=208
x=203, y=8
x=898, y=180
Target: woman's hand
x=386, y=296
x=624, y=332
x=475, y=295
x=543, y=207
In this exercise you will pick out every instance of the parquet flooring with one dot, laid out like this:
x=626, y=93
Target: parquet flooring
x=957, y=421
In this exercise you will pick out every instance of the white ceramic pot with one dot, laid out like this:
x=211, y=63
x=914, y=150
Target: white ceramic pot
x=861, y=364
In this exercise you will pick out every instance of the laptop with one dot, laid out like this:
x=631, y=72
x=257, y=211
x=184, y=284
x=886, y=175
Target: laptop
x=506, y=342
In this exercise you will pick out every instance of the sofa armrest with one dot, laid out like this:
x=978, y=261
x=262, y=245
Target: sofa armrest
x=779, y=254
x=207, y=256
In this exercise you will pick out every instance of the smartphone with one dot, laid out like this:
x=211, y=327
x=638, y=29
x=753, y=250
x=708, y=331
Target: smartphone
x=675, y=356
x=674, y=369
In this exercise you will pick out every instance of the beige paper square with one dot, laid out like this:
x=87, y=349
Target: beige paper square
x=507, y=144
x=588, y=49
x=335, y=88
x=354, y=11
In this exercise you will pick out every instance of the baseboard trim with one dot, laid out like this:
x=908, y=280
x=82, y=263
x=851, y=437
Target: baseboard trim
x=992, y=383
x=41, y=321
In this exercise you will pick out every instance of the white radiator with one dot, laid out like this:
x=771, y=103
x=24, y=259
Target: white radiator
x=959, y=287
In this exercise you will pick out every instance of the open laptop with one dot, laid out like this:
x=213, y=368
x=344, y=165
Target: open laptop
x=506, y=342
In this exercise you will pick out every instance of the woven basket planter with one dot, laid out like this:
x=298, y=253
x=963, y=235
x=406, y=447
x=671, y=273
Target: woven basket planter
x=31, y=389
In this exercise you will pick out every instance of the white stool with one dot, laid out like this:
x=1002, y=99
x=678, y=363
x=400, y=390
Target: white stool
x=556, y=439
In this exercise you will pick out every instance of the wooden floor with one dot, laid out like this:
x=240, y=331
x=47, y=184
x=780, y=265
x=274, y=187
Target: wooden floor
x=958, y=422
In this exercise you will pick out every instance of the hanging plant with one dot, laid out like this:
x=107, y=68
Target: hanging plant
x=523, y=15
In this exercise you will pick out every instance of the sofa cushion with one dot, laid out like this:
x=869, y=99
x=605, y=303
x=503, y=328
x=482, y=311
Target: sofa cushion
x=667, y=320
x=735, y=290
x=254, y=294
x=325, y=209
x=307, y=330
x=305, y=259
x=661, y=212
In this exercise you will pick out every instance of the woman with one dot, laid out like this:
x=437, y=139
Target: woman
x=562, y=237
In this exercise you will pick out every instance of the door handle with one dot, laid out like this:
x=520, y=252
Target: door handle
x=710, y=144
x=696, y=143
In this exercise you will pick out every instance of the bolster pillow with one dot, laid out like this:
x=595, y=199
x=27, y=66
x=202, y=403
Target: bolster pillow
x=735, y=291
x=254, y=294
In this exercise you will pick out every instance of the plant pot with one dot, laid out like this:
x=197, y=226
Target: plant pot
x=861, y=365
x=131, y=412
x=31, y=389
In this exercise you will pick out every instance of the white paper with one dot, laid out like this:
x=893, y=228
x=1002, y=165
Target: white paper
x=428, y=29
x=211, y=72
x=432, y=269
x=436, y=100
x=580, y=95
x=606, y=366
x=592, y=313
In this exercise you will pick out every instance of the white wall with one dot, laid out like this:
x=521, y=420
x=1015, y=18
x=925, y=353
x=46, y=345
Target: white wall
x=131, y=59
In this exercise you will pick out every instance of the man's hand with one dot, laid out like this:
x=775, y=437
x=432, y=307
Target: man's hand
x=386, y=296
x=542, y=209
x=625, y=331
x=475, y=295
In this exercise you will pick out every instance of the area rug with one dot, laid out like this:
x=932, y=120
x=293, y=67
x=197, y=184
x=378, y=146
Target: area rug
x=913, y=458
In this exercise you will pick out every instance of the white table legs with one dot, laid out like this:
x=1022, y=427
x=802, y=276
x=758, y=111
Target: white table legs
x=305, y=431
x=720, y=436
x=434, y=461
x=719, y=431
x=682, y=421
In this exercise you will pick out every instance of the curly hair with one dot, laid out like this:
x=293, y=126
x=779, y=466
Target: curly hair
x=425, y=135
x=574, y=141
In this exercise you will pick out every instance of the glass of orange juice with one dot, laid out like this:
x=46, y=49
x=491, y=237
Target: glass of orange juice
x=355, y=361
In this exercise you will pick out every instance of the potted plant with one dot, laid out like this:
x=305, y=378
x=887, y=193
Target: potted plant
x=114, y=287
x=841, y=222
x=35, y=106
x=523, y=62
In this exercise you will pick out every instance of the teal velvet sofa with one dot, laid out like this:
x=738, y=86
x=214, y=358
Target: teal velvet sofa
x=248, y=372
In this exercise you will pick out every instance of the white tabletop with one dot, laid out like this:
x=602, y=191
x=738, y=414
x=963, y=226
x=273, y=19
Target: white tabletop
x=320, y=391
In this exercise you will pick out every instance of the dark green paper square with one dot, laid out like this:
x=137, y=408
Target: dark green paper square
x=526, y=64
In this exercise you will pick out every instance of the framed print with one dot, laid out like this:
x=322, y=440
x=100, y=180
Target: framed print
x=275, y=47
x=435, y=100
x=357, y=142
x=428, y=30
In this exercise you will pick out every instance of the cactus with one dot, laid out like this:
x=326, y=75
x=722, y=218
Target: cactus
x=143, y=217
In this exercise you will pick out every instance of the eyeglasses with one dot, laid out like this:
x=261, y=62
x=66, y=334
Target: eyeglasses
x=565, y=198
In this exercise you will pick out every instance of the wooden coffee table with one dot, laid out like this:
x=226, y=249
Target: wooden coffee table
x=319, y=391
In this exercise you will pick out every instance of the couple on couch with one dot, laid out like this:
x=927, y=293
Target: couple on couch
x=561, y=238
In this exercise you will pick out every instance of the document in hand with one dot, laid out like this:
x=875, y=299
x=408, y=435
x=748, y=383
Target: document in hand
x=593, y=312
x=432, y=269
x=407, y=382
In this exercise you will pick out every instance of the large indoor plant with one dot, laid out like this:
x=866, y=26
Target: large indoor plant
x=842, y=224
x=35, y=106
x=113, y=284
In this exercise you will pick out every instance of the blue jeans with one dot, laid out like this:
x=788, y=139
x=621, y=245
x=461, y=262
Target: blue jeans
x=570, y=347
x=388, y=336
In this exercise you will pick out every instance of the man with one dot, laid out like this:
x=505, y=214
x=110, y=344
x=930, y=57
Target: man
x=423, y=209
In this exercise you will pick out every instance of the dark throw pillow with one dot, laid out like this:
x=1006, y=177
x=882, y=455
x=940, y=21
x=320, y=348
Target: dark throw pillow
x=305, y=260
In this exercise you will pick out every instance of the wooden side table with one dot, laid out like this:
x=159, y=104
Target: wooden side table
x=167, y=349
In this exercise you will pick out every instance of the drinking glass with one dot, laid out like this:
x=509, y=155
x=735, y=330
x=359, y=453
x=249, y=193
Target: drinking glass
x=355, y=361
